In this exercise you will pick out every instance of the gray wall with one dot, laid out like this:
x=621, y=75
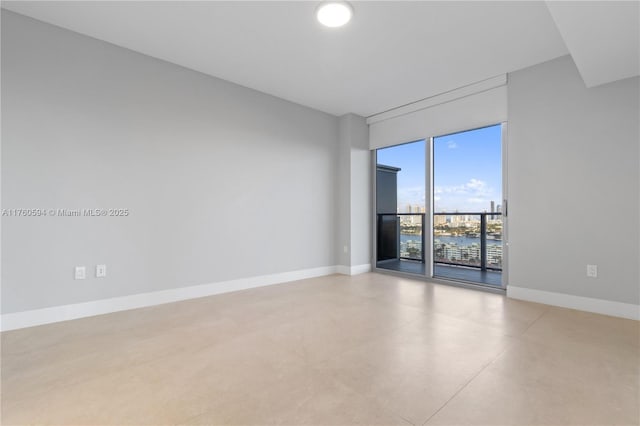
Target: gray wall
x=361, y=192
x=354, y=192
x=222, y=182
x=343, y=192
x=573, y=183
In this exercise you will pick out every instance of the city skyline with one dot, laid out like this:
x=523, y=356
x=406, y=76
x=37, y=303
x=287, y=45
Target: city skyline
x=467, y=175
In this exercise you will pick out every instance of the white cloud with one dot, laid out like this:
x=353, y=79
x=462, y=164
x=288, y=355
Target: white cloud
x=477, y=200
x=473, y=195
x=411, y=195
x=474, y=186
x=452, y=145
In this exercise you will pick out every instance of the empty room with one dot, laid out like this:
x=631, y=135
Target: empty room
x=320, y=213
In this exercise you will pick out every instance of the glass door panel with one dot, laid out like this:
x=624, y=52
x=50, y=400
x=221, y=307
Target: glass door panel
x=467, y=210
x=401, y=208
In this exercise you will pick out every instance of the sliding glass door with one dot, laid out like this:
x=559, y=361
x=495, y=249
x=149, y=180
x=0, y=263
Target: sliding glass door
x=467, y=206
x=440, y=209
x=401, y=224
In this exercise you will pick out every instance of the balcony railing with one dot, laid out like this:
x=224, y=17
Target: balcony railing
x=468, y=239
x=460, y=239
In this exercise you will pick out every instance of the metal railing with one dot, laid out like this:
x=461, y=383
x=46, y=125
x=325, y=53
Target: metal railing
x=481, y=226
x=397, y=228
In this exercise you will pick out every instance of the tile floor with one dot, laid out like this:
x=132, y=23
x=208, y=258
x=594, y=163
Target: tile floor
x=337, y=350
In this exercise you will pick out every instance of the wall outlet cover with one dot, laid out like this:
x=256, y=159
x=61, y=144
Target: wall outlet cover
x=101, y=271
x=80, y=273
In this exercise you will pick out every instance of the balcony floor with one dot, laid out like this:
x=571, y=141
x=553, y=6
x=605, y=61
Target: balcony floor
x=490, y=278
x=401, y=265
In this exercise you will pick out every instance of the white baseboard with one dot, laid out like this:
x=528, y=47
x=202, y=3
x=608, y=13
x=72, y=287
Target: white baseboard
x=53, y=314
x=598, y=306
x=353, y=270
x=360, y=269
x=344, y=270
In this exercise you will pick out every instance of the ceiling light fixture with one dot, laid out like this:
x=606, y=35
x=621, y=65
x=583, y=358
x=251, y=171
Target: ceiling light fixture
x=334, y=13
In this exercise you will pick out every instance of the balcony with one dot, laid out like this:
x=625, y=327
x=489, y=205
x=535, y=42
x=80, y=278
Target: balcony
x=466, y=246
x=401, y=242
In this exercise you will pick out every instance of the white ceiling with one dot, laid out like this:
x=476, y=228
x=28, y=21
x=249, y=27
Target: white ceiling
x=391, y=54
x=603, y=37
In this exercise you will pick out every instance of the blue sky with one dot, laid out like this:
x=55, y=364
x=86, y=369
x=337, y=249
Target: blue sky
x=467, y=170
x=410, y=158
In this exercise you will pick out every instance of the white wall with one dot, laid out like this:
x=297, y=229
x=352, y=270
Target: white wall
x=221, y=182
x=574, y=184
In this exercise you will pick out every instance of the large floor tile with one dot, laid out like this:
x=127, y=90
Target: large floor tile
x=305, y=398
x=559, y=326
x=534, y=384
x=415, y=369
x=167, y=390
x=327, y=330
x=74, y=361
x=511, y=316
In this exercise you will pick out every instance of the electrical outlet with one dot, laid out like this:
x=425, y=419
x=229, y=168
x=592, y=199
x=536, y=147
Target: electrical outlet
x=101, y=271
x=80, y=273
x=592, y=271
x=346, y=249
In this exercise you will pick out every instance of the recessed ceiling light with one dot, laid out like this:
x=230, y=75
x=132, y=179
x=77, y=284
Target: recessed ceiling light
x=334, y=13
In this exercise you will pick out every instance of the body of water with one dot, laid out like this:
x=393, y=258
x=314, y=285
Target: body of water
x=461, y=241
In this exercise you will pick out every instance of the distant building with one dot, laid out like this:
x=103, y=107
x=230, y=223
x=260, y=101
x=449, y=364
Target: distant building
x=439, y=220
